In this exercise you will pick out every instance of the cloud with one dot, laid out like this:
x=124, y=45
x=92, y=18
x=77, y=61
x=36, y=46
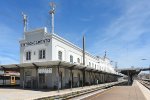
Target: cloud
x=131, y=24
x=7, y=60
x=9, y=50
x=124, y=36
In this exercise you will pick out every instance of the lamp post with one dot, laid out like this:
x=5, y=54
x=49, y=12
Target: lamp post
x=149, y=67
x=115, y=64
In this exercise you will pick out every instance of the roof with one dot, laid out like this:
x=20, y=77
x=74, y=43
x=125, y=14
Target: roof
x=54, y=64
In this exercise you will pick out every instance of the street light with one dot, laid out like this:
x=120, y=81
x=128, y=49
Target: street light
x=149, y=67
x=115, y=65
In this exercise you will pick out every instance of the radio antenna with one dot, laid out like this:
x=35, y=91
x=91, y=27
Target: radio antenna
x=24, y=22
x=52, y=12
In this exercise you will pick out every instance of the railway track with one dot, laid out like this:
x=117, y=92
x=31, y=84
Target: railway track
x=145, y=83
x=79, y=93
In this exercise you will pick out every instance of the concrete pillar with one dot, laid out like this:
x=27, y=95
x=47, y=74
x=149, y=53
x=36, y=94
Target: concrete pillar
x=58, y=77
x=71, y=75
x=83, y=78
x=37, y=77
x=23, y=78
x=128, y=77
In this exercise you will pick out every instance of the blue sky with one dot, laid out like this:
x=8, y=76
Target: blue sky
x=121, y=27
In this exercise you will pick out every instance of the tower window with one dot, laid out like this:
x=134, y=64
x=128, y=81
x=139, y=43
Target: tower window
x=28, y=55
x=42, y=54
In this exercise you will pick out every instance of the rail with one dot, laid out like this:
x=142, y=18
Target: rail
x=80, y=92
x=145, y=83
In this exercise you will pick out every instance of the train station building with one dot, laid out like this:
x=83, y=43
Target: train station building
x=50, y=61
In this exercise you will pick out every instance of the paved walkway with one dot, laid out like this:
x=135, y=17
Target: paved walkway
x=134, y=92
x=21, y=94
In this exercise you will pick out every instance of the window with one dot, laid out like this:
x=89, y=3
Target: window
x=95, y=66
x=78, y=60
x=42, y=54
x=59, y=55
x=41, y=78
x=92, y=64
x=28, y=55
x=89, y=64
x=71, y=58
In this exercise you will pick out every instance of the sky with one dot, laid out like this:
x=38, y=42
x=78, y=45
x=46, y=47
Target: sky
x=121, y=27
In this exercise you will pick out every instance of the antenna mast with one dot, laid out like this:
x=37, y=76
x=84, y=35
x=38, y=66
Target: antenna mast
x=105, y=54
x=83, y=44
x=24, y=22
x=52, y=12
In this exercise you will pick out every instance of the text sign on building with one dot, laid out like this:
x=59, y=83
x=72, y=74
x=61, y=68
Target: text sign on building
x=45, y=70
x=35, y=42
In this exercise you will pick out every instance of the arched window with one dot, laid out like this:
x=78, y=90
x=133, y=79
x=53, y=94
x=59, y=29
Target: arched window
x=78, y=60
x=59, y=55
x=71, y=58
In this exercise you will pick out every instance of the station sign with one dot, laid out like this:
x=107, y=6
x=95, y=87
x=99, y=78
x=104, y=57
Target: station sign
x=35, y=42
x=45, y=70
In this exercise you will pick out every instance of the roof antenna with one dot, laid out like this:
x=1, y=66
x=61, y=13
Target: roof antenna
x=105, y=54
x=83, y=44
x=24, y=23
x=52, y=12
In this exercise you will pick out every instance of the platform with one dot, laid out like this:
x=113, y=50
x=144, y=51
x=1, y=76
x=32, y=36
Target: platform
x=135, y=92
x=21, y=94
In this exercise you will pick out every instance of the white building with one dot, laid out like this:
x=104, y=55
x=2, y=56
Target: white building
x=39, y=46
x=49, y=61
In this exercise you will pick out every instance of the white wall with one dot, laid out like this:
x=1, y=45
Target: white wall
x=59, y=44
x=67, y=49
x=32, y=36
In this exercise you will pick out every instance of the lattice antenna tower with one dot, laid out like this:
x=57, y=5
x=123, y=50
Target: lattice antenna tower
x=24, y=23
x=52, y=12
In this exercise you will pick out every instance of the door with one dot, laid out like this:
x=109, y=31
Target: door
x=13, y=80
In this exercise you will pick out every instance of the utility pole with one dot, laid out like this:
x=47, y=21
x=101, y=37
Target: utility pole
x=52, y=12
x=105, y=54
x=116, y=66
x=24, y=23
x=83, y=71
x=83, y=50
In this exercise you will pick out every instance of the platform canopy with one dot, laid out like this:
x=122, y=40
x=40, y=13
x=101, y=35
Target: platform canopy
x=57, y=63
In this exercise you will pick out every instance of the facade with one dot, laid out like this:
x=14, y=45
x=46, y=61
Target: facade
x=39, y=46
